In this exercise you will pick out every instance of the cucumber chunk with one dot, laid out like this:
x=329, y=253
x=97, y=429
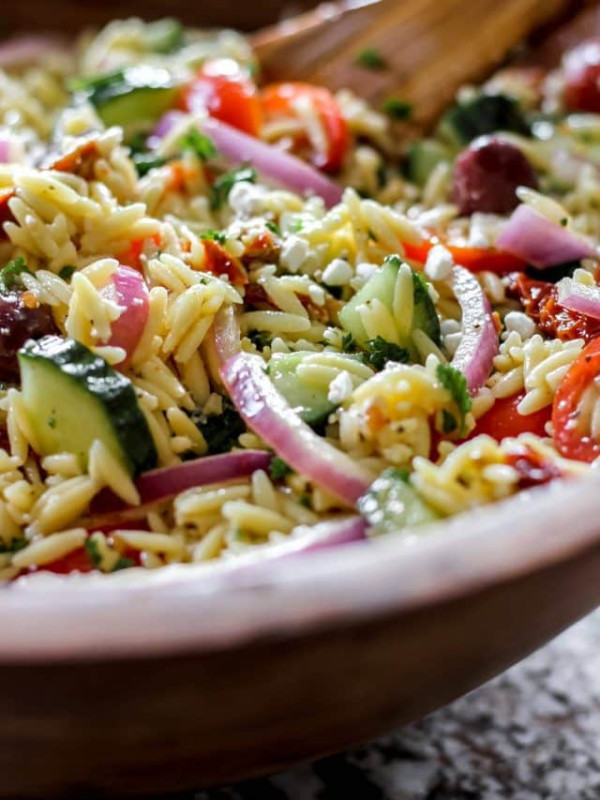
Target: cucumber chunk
x=391, y=504
x=73, y=397
x=308, y=400
x=381, y=286
x=423, y=158
x=135, y=95
x=164, y=35
x=480, y=115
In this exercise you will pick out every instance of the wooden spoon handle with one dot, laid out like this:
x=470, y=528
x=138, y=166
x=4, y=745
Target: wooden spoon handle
x=429, y=47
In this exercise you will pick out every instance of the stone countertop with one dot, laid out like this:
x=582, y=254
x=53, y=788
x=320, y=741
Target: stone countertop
x=531, y=734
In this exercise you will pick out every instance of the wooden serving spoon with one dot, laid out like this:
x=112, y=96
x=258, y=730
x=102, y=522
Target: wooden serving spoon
x=428, y=48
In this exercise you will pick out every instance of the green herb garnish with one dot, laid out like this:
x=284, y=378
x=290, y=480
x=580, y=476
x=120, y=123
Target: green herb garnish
x=219, y=191
x=455, y=382
x=260, y=339
x=378, y=352
x=278, y=469
x=200, y=144
x=144, y=162
x=397, y=109
x=221, y=431
x=91, y=548
x=370, y=58
x=123, y=563
x=214, y=236
x=16, y=544
x=273, y=227
x=66, y=272
x=9, y=275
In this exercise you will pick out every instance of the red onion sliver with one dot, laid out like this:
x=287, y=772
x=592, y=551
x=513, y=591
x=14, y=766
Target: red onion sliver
x=577, y=297
x=474, y=356
x=129, y=290
x=26, y=49
x=226, y=330
x=5, y=149
x=308, y=540
x=540, y=241
x=158, y=484
x=270, y=162
x=270, y=417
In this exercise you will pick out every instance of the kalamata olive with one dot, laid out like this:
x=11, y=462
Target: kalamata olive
x=581, y=70
x=487, y=174
x=18, y=323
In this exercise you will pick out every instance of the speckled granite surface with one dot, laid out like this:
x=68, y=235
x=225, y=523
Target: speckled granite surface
x=531, y=734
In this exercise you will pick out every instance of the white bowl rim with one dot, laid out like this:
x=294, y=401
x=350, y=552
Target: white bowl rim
x=185, y=609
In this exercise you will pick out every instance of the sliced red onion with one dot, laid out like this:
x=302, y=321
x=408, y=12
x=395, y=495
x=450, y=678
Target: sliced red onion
x=578, y=297
x=226, y=330
x=5, y=151
x=305, y=540
x=26, y=49
x=540, y=241
x=474, y=356
x=270, y=417
x=167, y=122
x=159, y=484
x=128, y=289
x=272, y=163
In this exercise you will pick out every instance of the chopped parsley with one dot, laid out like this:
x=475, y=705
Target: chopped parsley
x=278, y=469
x=66, y=272
x=9, y=275
x=455, y=382
x=123, y=563
x=144, y=162
x=91, y=548
x=260, y=339
x=370, y=58
x=348, y=343
x=16, y=544
x=397, y=109
x=214, y=236
x=219, y=191
x=221, y=431
x=200, y=144
x=273, y=227
x=449, y=422
x=378, y=352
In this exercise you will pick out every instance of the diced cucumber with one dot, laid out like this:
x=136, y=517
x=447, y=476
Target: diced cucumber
x=309, y=401
x=482, y=114
x=164, y=35
x=391, y=504
x=136, y=95
x=423, y=158
x=73, y=397
x=381, y=286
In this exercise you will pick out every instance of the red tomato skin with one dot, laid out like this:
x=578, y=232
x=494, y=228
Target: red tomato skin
x=565, y=410
x=475, y=259
x=77, y=561
x=227, y=93
x=582, y=77
x=532, y=468
x=503, y=420
x=278, y=100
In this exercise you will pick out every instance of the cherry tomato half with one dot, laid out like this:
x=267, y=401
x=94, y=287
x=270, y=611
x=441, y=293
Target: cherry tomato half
x=280, y=101
x=582, y=77
x=571, y=437
x=475, y=259
x=503, y=419
x=226, y=91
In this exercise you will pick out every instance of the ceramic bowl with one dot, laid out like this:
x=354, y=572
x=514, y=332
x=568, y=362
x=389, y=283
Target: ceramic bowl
x=198, y=676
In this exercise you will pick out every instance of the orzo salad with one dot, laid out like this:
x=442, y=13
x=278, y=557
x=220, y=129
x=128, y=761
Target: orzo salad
x=243, y=317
